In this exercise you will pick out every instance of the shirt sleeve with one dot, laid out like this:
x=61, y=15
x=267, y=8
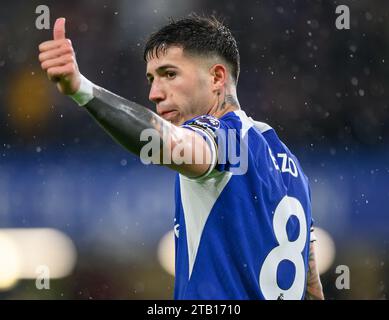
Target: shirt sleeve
x=216, y=133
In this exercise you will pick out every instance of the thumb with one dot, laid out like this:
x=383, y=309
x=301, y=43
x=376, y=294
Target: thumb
x=59, y=29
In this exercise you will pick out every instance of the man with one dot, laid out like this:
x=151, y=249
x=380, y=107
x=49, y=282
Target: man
x=242, y=227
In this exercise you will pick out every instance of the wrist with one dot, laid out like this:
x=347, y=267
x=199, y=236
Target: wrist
x=84, y=93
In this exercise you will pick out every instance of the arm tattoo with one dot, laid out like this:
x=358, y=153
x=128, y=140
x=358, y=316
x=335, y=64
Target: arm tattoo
x=124, y=120
x=314, y=289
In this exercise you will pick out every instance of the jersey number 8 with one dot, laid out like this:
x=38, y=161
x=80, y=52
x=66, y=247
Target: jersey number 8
x=286, y=250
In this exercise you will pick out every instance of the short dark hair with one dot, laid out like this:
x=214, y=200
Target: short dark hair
x=199, y=35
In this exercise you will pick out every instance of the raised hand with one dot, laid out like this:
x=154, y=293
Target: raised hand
x=58, y=59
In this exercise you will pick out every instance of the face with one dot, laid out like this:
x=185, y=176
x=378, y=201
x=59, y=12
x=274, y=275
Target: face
x=180, y=85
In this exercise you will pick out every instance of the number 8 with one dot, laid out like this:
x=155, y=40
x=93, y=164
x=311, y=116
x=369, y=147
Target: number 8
x=286, y=250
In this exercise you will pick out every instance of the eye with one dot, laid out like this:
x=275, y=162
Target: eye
x=150, y=81
x=170, y=74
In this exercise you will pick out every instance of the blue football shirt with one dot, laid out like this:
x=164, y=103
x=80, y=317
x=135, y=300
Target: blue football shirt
x=242, y=231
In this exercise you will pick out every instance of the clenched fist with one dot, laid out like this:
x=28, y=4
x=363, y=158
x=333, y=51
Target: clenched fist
x=58, y=59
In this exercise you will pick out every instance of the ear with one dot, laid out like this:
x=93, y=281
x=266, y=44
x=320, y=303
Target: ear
x=219, y=75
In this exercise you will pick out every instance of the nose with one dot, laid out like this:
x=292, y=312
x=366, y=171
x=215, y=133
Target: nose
x=157, y=94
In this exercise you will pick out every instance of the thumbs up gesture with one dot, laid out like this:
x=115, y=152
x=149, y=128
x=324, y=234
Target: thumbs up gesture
x=58, y=59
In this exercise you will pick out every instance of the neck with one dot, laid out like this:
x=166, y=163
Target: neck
x=225, y=102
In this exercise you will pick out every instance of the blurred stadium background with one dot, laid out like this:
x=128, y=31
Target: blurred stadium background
x=71, y=199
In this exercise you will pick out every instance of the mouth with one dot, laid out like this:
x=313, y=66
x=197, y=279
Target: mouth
x=168, y=114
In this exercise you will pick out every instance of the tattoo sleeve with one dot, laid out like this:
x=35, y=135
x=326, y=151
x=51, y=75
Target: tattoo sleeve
x=314, y=290
x=124, y=120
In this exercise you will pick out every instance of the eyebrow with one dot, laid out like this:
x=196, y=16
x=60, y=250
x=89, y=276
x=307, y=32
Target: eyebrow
x=161, y=68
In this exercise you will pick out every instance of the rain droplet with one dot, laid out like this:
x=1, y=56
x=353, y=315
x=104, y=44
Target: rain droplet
x=368, y=16
x=280, y=10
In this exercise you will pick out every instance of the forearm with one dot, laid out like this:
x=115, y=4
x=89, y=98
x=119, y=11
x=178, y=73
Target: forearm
x=314, y=289
x=125, y=120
